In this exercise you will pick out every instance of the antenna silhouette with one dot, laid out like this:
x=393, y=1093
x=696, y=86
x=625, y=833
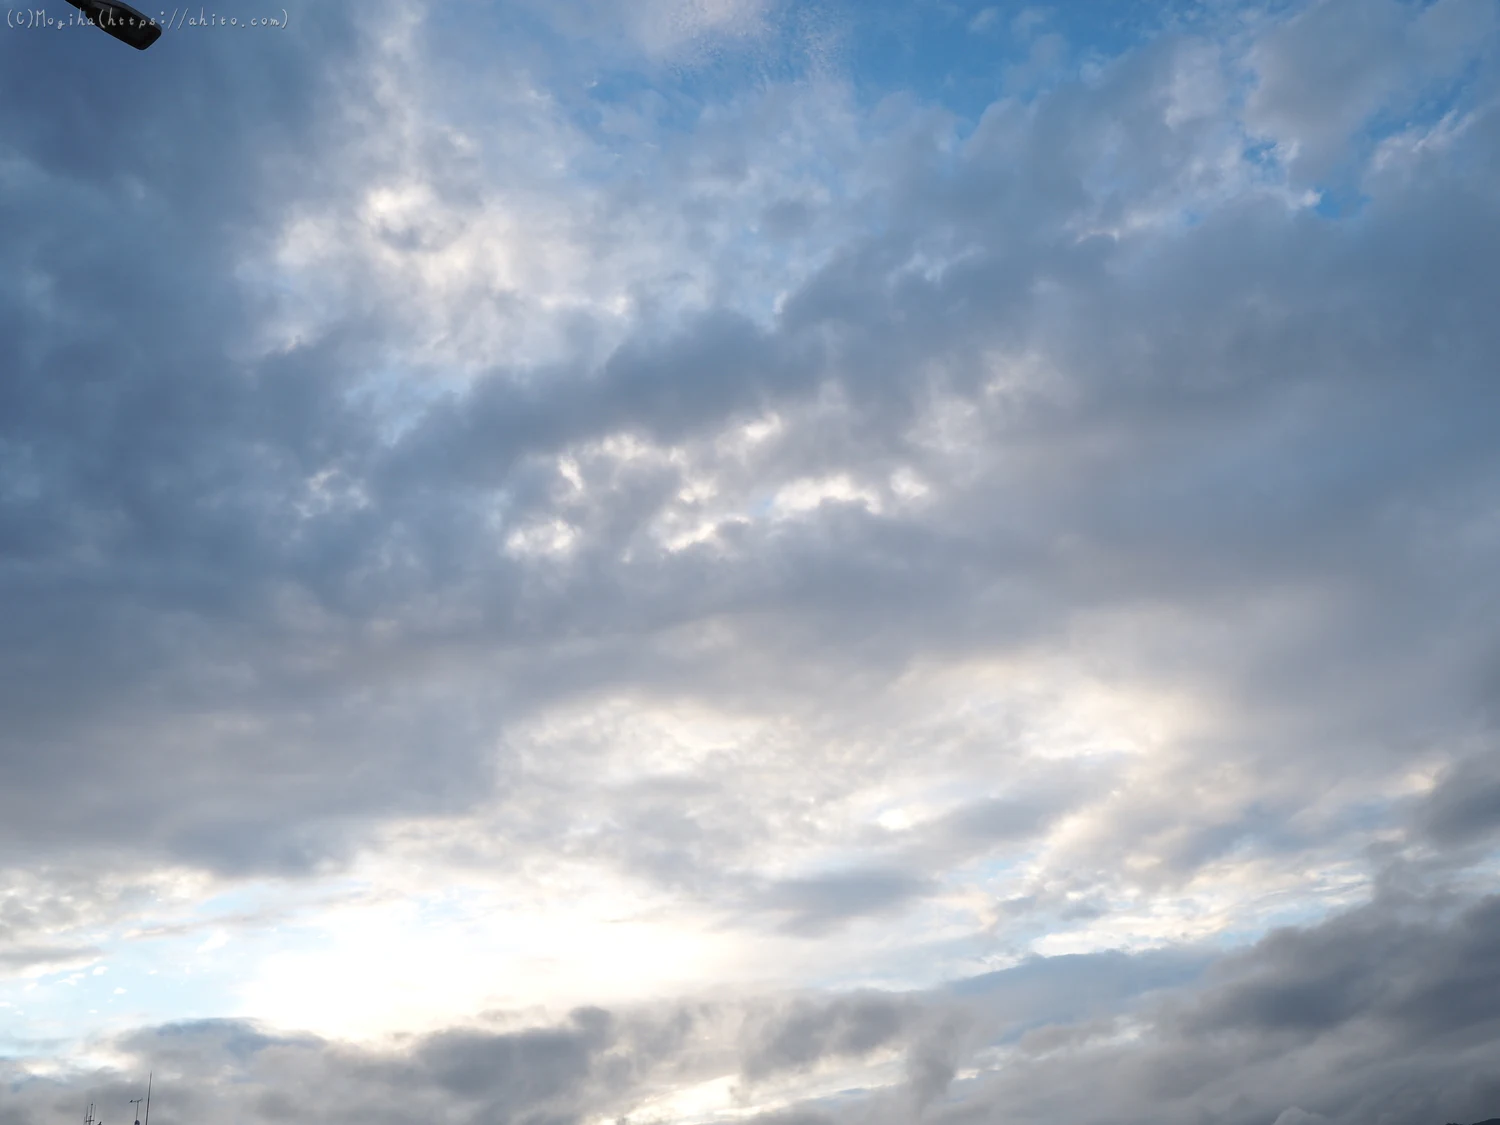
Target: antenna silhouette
x=149, y=1076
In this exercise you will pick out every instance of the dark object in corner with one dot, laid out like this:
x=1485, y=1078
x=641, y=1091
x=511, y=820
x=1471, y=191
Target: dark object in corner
x=1491, y=1121
x=120, y=20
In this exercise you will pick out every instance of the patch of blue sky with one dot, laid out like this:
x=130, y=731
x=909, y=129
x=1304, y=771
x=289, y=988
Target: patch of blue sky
x=1264, y=156
x=967, y=54
x=586, y=76
x=908, y=965
x=1041, y=991
x=1483, y=877
x=149, y=982
x=478, y=38
x=461, y=908
x=159, y=970
x=959, y=54
x=1424, y=110
x=990, y=871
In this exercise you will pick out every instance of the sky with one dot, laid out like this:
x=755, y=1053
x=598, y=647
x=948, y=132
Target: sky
x=567, y=562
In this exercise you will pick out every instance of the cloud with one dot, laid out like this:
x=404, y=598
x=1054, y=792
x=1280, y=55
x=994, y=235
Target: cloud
x=30, y=958
x=391, y=542
x=1296, y=1115
x=1322, y=74
x=809, y=1032
x=1154, y=1045
x=1465, y=803
x=817, y=902
x=489, y=460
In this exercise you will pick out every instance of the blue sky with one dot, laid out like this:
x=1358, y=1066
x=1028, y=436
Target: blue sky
x=733, y=560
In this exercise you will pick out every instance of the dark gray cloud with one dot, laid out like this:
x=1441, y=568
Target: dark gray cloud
x=1353, y=1020
x=146, y=471
x=809, y=1032
x=532, y=1075
x=1384, y=1013
x=1379, y=965
x=1464, y=806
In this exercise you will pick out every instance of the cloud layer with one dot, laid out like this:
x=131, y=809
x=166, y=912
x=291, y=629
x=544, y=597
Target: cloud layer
x=563, y=563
